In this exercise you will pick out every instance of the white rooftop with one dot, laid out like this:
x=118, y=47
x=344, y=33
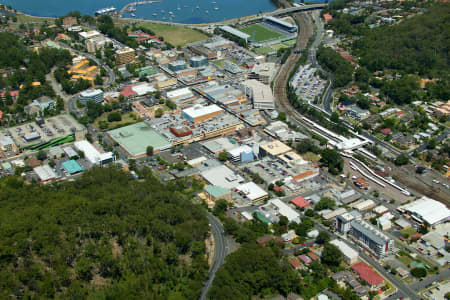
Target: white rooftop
x=199, y=110
x=45, y=173
x=251, y=190
x=91, y=153
x=222, y=176
x=143, y=89
x=428, y=210
x=286, y=210
x=184, y=92
x=238, y=150
x=345, y=249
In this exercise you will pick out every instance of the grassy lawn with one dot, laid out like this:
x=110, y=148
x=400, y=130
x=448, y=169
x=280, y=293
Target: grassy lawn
x=290, y=43
x=264, y=50
x=219, y=63
x=311, y=157
x=405, y=260
x=260, y=33
x=127, y=119
x=279, y=46
x=21, y=18
x=176, y=35
x=408, y=231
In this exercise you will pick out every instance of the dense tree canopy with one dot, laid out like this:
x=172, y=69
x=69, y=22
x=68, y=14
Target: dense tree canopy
x=416, y=45
x=102, y=236
x=342, y=70
x=253, y=270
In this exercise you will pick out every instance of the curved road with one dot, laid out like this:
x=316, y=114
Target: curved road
x=220, y=251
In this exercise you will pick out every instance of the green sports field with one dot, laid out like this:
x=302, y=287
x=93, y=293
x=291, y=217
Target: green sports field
x=260, y=34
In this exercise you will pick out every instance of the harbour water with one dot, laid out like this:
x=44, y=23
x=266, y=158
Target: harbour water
x=180, y=11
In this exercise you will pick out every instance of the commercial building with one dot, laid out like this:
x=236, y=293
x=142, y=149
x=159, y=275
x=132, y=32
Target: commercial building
x=96, y=43
x=235, y=32
x=224, y=95
x=280, y=23
x=7, y=144
x=264, y=72
x=363, y=205
x=241, y=154
x=218, y=145
x=93, y=155
x=177, y=65
x=39, y=105
x=125, y=56
x=350, y=255
x=45, y=173
x=179, y=94
x=32, y=136
x=70, y=152
x=95, y=95
x=199, y=113
x=89, y=34
x=279, y=207
x=72, y=167
x=259, y=93
x=198, y=61
x=357, y=113
x=215, y=193
x=281, y=131
x=426, y=210
x=372, y=237
x=434, y=239
x=273, y=148
x=134, y=139
x=252, y=192
x=222, y=176
x=344, y=222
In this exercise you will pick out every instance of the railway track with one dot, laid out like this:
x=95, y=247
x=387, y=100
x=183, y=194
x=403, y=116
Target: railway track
x=280, y=85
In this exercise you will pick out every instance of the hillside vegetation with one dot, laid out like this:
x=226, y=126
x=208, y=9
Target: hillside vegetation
x=103, y=236
x=417, y=45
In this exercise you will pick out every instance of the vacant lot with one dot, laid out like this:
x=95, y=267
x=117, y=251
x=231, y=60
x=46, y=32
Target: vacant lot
x=175, y=35
x=260, y=34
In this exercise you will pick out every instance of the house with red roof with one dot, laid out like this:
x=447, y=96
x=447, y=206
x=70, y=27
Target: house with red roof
x=295, y=263
x=327, y=17
x=300, y=202
x=386, y=131
x=128, y=92
x=367, y=274
x=305, y=259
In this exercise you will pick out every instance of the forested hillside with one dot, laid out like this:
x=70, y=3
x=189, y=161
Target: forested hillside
x=254, y=270
x=102, y=236
x=417, y=45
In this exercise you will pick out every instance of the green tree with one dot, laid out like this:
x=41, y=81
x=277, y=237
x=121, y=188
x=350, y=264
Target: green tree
x=149, y=150
x=114, y=117
x=41, y=155
x=419, y=272
x=323, y=237
x=223, y=156
x=401, y=160
x=331, y=255
x=325, y=203
x=332, y=160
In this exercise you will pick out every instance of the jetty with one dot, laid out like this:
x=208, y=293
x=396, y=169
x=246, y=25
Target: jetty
x=133, y=4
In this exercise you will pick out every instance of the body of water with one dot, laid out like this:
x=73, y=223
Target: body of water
x=180, y=11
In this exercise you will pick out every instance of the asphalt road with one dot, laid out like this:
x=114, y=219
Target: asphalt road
x=313, y=60
x=220, y=251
